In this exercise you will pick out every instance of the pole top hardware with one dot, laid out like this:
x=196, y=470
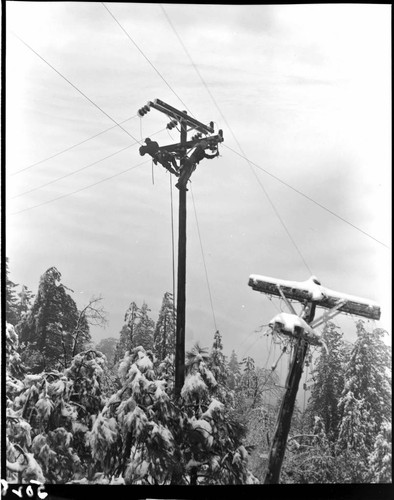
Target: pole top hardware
x=177, y=148
x=181, y=116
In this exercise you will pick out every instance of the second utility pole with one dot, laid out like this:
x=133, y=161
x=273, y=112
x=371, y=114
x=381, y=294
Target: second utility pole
x=181, y=287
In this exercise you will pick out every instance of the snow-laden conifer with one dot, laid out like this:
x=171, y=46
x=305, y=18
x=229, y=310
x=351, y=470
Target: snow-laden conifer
x=380, y=459
x=164, y=333
x=365, y=403
x=328, y=381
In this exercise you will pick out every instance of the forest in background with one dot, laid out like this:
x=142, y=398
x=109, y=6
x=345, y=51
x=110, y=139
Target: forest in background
x=79, y=413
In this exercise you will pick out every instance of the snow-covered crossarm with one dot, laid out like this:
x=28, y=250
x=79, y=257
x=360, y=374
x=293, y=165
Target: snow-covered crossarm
x=294, y=326
x=311, y=290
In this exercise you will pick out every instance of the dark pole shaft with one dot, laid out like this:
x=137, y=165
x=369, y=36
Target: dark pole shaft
x=181, y=289
x=278, y=447
x=279, y=441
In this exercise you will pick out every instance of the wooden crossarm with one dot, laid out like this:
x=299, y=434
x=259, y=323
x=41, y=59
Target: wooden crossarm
x=180, y=116
x=311, y=291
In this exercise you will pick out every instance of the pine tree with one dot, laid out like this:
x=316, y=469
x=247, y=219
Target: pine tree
x=127, y=332
x=218, y=363
x=47, y=329
x=107, y=346
x=328, y=376
x=143, y=333
x=24, y=302
x=48, y=417
x=365, y=402
x=249, y=379
x=11, y=309
x=234, y=370
x=164, y=334
x=380, y=460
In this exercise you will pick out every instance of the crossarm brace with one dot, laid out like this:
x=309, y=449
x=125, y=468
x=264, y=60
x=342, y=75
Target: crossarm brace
x=331, y=313
x=290, y=307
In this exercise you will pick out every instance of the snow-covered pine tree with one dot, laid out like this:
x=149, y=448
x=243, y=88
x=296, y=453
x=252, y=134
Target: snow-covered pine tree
x=145, y=436
x=218, y=365
x=249, y=380
x=365, y=403
x=107, y=346
x=11, y=307
x=127, y=332
x=47, y=329
x=143, y=333
x=164, y=334
x=328, y=376
x=234, y=370
x=367, y=390
x=380, y=460
x=48, y=415
x=217, y=362
x=131, y=436
x=214, y=435
x=25, y=301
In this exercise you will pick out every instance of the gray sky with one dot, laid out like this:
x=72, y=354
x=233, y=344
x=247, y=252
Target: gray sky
x=306, y=92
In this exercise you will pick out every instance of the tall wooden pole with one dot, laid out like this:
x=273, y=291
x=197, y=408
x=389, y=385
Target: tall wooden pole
x=282, y=429
x=181, y=288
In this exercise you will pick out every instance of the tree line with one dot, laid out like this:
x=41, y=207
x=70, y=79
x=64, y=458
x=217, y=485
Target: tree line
x=79, y=413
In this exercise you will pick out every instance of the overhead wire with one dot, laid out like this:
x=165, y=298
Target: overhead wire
x=81, y=189
x=203, y=259
x=237, y=142
x=69, y=174
x=250, y=347
x=306, y=196
x=243, y=154
x=161, y=76
x=69, y=148
x=75, y=87
x=143, y=54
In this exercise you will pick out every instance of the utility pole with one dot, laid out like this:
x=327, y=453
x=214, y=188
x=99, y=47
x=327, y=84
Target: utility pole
x=279, y=441
x=312, y=294
x=181, y=288
x=186, y=123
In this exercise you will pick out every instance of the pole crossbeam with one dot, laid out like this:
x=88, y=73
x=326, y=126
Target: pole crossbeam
x=321, y=296
x=181, y=116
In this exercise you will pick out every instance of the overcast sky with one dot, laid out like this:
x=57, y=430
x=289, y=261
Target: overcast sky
x=306, y=92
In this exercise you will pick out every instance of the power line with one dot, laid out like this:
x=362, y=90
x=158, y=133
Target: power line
x=238, y=144
x=250, y=347
x=75, y=87
x=203, y=259
x=79, y=169
x=71, y=173
x=308, y=197
x=142, y=53
x=81, y=189
x=243, y=155
x=70, y=147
